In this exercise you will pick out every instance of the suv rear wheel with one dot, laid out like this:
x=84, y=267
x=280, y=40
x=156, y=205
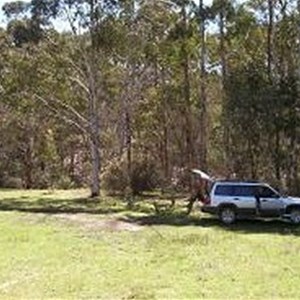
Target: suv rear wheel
x=227, y=215
x=295, y=215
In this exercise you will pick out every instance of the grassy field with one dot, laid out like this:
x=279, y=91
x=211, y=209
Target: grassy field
x=55, y=244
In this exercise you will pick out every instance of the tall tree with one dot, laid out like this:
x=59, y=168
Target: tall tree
x=270, y=36
x=203, y=82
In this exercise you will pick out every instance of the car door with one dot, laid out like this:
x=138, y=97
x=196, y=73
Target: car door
x=223, y=193
x=271, y=203
x=244, y=198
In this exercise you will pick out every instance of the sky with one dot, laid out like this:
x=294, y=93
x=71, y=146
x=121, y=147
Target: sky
x=59, y=24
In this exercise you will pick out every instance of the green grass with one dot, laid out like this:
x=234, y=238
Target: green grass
x=46, y=254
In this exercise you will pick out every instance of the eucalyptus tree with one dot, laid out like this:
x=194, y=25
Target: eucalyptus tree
x=26, y=121
x=86, y=19
x=223, y=12
x=203, y=16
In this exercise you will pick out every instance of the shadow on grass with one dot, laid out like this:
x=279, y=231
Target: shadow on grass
x=58, y=206
x=178, y=217
x=242, y=226
x=53, y=205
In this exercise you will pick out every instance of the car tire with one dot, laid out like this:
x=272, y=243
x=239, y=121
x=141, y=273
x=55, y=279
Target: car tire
x=295, y=215
x=227, y=215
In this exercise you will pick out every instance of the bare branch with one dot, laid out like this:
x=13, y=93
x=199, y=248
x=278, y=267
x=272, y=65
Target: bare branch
x=81, y=84
x=77, y=68
x=64, y=117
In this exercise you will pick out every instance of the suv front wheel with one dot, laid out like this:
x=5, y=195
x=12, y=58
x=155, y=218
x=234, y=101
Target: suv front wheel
x=227, y=215
x=295, y=215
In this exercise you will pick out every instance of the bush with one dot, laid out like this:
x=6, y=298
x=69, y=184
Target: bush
x=144, y=177
x=115, y=178
x=11, y=182
x=65, y=182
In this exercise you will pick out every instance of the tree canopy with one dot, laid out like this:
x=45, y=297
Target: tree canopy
x=137, y=92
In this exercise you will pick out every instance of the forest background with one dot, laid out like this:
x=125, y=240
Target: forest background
x=129, y=95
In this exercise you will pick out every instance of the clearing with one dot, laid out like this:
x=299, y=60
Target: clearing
x=56, y=244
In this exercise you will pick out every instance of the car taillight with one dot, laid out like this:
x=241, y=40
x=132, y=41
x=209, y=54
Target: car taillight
x=206, y=200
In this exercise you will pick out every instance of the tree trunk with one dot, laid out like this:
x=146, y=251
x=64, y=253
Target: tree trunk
x=297, y=150
x=94, y=130
x=128, y=141
x=165, y=142
x=28, y=163
x=188, y=114
x=203, y=96
x=222, y=43
x=270, y=62
x=95, y=155
x=94, y=121
x=270, y=37
x=223, y=57
x=189, y=146
x=277, y=157
x=165, y=151
x=126, y=128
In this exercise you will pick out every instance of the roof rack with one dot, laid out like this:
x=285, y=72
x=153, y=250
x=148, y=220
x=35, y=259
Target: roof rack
x=238, y=180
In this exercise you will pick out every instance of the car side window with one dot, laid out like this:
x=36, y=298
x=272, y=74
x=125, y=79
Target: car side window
x=224, y=190
x=267, y=192
x=244, y=191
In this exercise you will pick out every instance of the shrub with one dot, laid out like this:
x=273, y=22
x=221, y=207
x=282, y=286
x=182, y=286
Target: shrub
x=115, y=178
x=144, y=176
x=12, y=182
x=65, y=182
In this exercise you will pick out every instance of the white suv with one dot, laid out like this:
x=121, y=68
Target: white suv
x=233, y=199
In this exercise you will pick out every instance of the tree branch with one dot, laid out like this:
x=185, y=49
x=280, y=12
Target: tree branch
x=64, y=117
